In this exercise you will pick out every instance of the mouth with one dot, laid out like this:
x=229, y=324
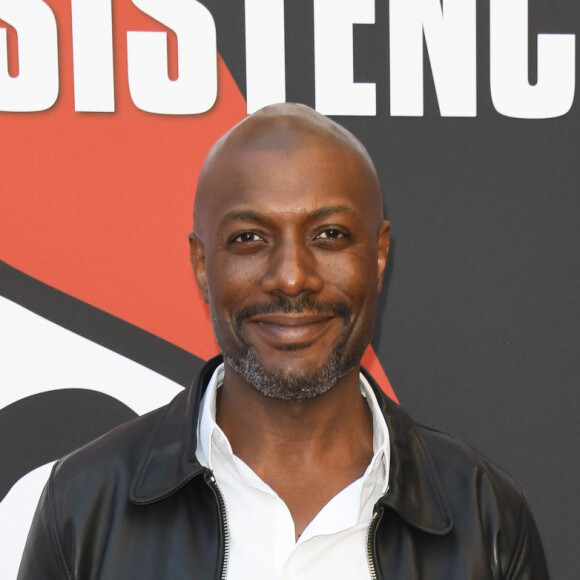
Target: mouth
x=286, y=329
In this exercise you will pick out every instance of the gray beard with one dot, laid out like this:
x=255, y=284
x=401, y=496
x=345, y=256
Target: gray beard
x=297, y=386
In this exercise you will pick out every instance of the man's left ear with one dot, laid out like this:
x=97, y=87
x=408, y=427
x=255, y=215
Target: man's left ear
x=383, y=241
x=197, y=257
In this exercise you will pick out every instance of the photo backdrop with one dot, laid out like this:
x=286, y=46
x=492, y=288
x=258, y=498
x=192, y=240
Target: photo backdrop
x=468, y=108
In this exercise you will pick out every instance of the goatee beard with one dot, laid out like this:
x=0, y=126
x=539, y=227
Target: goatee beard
x=298, y=385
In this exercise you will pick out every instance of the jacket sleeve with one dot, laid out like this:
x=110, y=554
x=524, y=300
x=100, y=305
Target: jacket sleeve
x=529, y=562
x=42, y=557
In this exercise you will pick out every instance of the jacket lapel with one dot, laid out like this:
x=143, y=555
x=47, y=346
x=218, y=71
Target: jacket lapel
x=415, y=491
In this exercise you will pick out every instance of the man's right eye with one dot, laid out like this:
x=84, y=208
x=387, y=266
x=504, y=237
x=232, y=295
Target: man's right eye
x=246, y=237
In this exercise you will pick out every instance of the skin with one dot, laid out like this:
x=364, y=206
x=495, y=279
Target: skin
x=288, y=208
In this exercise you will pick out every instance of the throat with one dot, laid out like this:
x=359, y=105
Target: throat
x=306, y=492
x=306, y=451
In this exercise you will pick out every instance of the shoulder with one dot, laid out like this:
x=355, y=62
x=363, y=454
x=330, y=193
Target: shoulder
x=485, y=498
x=486, y=502
x=455, y=459
x=469, y=479
x=419, y=451
x=151, y=454
x=111, y=459
x=445, y=488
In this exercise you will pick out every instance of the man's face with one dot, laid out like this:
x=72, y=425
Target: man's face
x=292, y=257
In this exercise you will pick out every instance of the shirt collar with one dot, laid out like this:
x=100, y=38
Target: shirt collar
x=378, y=469
x=376, y=474
x=207, y=421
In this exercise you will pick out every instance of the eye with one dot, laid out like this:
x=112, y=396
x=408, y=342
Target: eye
x=246, y=237
x=331, y=234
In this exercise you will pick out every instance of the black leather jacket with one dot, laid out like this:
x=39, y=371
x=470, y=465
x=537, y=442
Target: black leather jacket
x=136, y=504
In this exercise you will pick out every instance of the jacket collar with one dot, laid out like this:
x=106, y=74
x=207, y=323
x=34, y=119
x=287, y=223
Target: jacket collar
x=415, y=491
x=169, y=460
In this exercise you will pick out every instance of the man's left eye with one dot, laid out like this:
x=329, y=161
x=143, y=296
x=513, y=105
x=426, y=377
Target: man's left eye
x=331, y=234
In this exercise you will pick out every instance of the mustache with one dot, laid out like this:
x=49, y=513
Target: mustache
x=299, y=304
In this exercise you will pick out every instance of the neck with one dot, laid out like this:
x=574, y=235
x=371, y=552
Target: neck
x=263, y=430
x=306, y=451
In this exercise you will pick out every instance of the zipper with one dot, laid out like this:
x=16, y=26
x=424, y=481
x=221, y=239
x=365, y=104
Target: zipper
x=210, y=478
x=370, y=534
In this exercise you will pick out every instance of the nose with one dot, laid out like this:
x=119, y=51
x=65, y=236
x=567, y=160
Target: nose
x=292, y=269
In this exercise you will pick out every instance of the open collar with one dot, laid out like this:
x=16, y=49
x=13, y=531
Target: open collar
x=169, y=459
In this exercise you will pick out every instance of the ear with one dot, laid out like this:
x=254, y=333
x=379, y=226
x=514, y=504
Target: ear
x=383, y=241
x=197, y=257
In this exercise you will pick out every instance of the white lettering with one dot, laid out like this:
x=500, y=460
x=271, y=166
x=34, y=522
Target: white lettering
x=92, y=32
x=36, y=86
x=336, y=93
x=450, y=38
x=195, y=89
x=511, y=92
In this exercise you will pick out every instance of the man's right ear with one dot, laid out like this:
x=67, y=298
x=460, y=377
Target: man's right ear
x=197, y=257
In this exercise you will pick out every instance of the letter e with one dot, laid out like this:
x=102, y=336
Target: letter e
x=336, y=93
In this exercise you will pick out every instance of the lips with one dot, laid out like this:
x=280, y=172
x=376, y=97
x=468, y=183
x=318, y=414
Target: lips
x=291, y=319
x=287, y=329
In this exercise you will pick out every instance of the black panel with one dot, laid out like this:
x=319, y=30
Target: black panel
x=229, y=17
x=299, y=27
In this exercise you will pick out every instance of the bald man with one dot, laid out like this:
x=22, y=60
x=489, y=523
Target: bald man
x=284, y=460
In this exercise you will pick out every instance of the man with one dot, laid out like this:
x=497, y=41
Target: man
x=285, y=460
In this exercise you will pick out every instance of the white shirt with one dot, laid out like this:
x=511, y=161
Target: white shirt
x=262, y=533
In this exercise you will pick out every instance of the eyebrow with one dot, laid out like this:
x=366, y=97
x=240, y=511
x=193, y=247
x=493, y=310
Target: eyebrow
x=251, y=215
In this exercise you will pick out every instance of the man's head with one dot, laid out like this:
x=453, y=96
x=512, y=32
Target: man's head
x=289, y=248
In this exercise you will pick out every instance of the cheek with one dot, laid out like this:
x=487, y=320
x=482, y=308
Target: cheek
x=231, y=284
x=356, y=278
x=228, y=277
x=356, y=282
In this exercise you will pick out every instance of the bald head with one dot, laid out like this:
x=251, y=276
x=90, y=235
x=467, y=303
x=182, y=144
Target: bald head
x=284, y=128
x=289, y=251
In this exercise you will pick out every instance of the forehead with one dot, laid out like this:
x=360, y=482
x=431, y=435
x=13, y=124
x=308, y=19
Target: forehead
x=289, y=181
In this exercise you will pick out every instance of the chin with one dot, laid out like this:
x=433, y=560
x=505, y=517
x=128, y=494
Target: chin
x=295, y=383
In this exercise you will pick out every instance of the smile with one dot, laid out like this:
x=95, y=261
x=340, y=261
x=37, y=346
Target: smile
x=292, y=328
